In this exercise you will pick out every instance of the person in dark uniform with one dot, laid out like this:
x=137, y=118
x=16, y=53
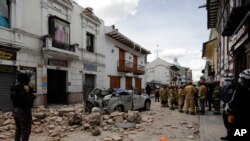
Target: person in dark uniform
x=148, y=90
x=238, y=109
x=227, y=93
x=157, y=94
x=22, y=97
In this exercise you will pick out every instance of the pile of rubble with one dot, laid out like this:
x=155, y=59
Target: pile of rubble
x=56, y=122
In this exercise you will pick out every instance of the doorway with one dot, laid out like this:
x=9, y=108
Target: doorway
x=89, y=84
x=56, y=87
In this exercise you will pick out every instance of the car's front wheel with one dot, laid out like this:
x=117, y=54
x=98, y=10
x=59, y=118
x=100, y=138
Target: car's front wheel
x=147, y=105
x=119, y=108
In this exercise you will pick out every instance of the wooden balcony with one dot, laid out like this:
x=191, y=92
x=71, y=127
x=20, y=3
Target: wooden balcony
x=139, y=69
x=124, y=66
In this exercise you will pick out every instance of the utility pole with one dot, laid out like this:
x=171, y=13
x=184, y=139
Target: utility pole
x=157, y=51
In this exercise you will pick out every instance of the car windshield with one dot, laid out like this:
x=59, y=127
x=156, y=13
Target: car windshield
x=99, y=92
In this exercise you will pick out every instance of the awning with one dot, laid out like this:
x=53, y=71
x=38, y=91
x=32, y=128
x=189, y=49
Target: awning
x=208, y=48
x=126, y=41
x=212, y=13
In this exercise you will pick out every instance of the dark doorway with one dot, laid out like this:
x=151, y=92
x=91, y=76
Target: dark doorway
x=89, y=84
x=56, y=87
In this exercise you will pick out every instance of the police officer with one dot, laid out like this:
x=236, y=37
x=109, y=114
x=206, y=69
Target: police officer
x=22, y=97
x=226, y=96
x=238, y=109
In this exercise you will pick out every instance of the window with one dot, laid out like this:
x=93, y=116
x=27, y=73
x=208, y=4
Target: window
x=5, y=13
x=90, y=42
x=59, y=30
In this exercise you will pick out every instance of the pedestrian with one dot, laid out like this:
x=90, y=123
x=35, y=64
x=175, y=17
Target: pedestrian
x=22, y=98
x=189, y=98
x=157, y=95
x=238, y=109
x=202, y=92
x=148, y=90
x=217, y=97
x=227, y=93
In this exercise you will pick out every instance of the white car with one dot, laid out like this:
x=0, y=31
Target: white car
x=120, y=100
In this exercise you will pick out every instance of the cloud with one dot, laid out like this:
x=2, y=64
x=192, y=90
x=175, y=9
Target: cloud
x=111, y=11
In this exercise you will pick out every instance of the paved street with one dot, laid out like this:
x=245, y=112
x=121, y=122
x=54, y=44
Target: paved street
x=172, y=124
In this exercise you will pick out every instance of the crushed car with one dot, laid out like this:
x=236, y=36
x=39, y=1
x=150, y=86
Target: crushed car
x=117, y=99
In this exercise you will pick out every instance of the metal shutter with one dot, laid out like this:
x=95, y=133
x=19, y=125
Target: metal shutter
x=6, y=81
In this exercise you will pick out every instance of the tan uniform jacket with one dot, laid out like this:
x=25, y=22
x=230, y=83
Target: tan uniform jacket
x=164, y=94
x=202, y=92
x=189, y=92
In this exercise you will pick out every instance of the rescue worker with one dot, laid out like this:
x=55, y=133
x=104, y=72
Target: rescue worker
x=23, y=98
x=202, y=92
x=238, y=109
x=216, y=97
x=196, y=98
x=189, y=91
x=227, y=93
x=171, y=97
x=163, y=95
x=180, y=98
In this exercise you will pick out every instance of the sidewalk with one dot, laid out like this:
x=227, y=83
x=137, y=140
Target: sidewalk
x=211, y=127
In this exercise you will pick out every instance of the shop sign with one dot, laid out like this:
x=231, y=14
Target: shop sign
x=236, y=37
x=89, y=67
x=7, y=54
x=57, y=62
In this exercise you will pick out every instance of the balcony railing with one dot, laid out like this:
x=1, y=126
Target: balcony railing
x=235, y=11
x=139, y=69
x=49, y=42
x=124, y=66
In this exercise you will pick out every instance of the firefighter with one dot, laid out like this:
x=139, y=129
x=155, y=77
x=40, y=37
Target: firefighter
x=163, y=95
x=180, y=98
x=171, y=97
x=202, y=92
x=238, y=109
x=189, y=91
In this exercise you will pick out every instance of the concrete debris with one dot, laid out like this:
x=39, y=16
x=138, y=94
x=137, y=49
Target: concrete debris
x=56, y=121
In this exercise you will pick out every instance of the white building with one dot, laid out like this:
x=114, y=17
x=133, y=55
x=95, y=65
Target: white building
x=125, y=61
x=68, y=48
x=59, y=41
x=160, y=71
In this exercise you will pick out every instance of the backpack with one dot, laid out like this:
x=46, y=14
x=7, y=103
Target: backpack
x=21, y=98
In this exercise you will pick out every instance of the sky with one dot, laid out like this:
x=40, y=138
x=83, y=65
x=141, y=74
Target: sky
x=178, y=27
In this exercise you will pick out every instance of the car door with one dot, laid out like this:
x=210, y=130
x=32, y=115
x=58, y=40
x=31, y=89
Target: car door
x=138, y=101
x=126, y=99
